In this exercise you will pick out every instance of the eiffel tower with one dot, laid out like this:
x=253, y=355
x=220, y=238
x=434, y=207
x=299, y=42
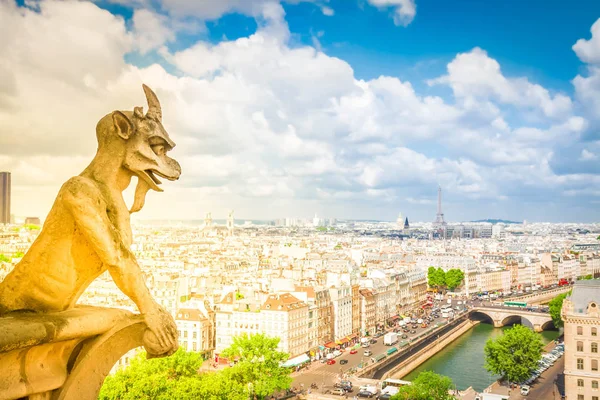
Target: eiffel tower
x=439, y=218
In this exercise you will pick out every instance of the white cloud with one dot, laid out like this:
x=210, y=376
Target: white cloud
x=587, y=155
x=263, y=126
x=150, y=30
x=328, y=11
x=587, y=88
x=588, y=51
x=476, y=75
x=404, y=10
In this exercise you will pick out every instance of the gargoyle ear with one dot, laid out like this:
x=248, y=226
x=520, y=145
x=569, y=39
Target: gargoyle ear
x=123, y=125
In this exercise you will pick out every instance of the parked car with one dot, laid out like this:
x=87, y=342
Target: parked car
x=364, y=393
x=368, y=353
x=342, y=362
x=338, y=392
x=373, y=341
x=330, y=361
x=525, y=390
x=347, y=386
x=353, y=351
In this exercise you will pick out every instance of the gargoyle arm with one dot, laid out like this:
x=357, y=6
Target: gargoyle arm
x=85, y=202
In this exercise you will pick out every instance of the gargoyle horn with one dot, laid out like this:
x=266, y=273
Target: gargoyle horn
x=154, y=110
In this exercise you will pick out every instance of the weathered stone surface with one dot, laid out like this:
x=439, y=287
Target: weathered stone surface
x=87, y=232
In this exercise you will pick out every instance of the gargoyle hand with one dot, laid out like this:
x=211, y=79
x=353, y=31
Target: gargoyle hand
x=162, y=338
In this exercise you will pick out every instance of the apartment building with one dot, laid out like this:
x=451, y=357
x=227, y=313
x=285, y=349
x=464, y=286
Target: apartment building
x=494, y=279
x=324, y=315
x=341, y=298
x=368, y=319
x=589, y=264
x=195, y=329
x=581, y=316
x=355, y=308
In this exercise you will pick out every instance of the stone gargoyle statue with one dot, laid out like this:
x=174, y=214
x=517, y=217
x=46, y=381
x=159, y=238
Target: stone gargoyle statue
x=88, y=229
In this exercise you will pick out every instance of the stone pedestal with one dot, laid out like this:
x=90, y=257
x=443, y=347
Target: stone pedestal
x=65, y=355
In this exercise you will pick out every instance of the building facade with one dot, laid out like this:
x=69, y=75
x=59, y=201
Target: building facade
x=281, y=315
x=341, y=298
x=581, y=316
x=195, y=330
x=5, y=197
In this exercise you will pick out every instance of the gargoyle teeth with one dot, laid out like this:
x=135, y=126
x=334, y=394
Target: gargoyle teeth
x=153, y=177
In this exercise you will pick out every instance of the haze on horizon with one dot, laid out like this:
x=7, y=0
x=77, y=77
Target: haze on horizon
x=347, y=109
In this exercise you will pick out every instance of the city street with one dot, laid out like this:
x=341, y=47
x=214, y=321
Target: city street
x=544, y=388
x=326, y=375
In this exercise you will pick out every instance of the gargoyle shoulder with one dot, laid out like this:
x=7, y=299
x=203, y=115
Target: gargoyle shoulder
x=79, y=191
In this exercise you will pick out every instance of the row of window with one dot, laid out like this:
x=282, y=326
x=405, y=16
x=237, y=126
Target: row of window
x=185, y=334
x=593, y=347
x=594, y=331
x=580, y=364
x=582, y=397
x=580, y=383
x=194, y=348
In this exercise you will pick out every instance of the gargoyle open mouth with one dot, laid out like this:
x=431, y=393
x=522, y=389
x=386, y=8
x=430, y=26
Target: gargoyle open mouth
x=151, y=173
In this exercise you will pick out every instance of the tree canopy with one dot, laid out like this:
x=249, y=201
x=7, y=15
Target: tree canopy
x=554, y=308
x=427, y=386
x=257, y=372
x=514, y=354
x=258, y=362
x=454, y=278
x=436, y=277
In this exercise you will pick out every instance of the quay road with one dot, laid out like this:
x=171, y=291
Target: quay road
x=325, y=375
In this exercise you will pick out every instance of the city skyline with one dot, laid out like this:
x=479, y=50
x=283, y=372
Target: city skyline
x=291, y=108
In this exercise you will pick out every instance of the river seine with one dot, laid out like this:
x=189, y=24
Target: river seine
x=463, y=359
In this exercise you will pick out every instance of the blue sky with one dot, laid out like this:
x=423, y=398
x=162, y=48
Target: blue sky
x=344, y=108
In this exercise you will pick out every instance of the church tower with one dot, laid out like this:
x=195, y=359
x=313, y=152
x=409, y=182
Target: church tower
x=208, y=220
x=230, y=223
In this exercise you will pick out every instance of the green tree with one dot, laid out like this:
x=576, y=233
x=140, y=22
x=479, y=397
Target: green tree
x=440, y=277
x=257, y=372
x=152, y=379
x=554, y=308
x=427, y=386
x=258, y=363
x=514, y=354
x=5, y=259
x=436, y=277
x=454, y=278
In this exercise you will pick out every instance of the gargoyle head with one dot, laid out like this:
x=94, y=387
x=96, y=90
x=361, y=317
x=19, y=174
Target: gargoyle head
x=144, y=144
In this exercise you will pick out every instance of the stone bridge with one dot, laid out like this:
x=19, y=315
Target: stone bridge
x=502, y=316
x=541, y=297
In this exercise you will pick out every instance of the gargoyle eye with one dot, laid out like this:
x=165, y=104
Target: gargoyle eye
x=159, y=149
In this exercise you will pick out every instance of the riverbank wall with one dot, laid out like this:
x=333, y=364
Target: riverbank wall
x=380, y=369
x=410, y=363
